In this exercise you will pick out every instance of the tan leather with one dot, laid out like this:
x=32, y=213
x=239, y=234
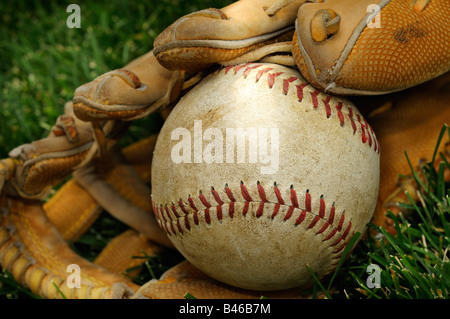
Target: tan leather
x=73, y=210
x=117, y=187
x=124, y=93
x=409, y=47
x=212, y=35
x=37, y=256
x=43, y=163
x=185, y=278
x=125, y=253
x=411, y=123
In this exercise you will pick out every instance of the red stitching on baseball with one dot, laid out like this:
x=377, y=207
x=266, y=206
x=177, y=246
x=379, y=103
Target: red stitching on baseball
x=248, y=69
x=325, y=226
x=245, y=193
x=341, y=222
x=237, y=68
x=174, y=210
x=216, y=196
x=375, y=142
x=337, y=229
x=300, y=218
x=289, y=213
x=271, y=78
x=314, y=222
x=332, y=212
x=261, y=192
x=286, y=84
x=260, y=210
x=294, y=205
x=326, y=102
x=343, y=236
x=231, y=209
x=308, y=201
x=278, y=194
x=261, y=72
x=204, y=201
x=331, y=235
x=363, y=129
x=228, y=68
x=180, y=229
x=166, y=209
x=322, y=207
x=165, y=227
x=219, y=212
x=191, y=203
x=245, y=209
x=315, y=101
x=367, y=133
x=186, y=222
x=339, y=112
x=207, y=216
x=294, y=199
x=196, y=221
x=169, y=226
x=182, y=207
x=154, y=207
x=275, y=210
x=350, y=115
x=229, y=193
x=161, y=211
x=300, y=91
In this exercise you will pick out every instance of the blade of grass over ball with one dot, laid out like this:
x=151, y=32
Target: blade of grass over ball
x=348, y=248
x=317, y=281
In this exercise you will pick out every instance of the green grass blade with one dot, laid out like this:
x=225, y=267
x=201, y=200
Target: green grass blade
x=361, y=284
x=59, y=290
x=440, y=187
x=189, y=296
x=348, y=248
x=439, y=140
x=6, y=278
x=317, y=281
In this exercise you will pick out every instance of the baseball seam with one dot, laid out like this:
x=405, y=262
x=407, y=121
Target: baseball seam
x=319, y=99
x=174, y=219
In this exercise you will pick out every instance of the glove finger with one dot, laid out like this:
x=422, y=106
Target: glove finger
x=404, y=45
x=210, y=36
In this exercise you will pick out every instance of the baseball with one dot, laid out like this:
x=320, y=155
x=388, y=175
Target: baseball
x=256, y=174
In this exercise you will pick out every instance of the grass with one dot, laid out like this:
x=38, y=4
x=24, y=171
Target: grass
x=413, y=264
x=43, y=62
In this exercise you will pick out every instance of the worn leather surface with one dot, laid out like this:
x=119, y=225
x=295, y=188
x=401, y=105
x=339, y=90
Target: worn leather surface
x=212, y=35
x=120, y=94
x=265, y=228
x=408, y=47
